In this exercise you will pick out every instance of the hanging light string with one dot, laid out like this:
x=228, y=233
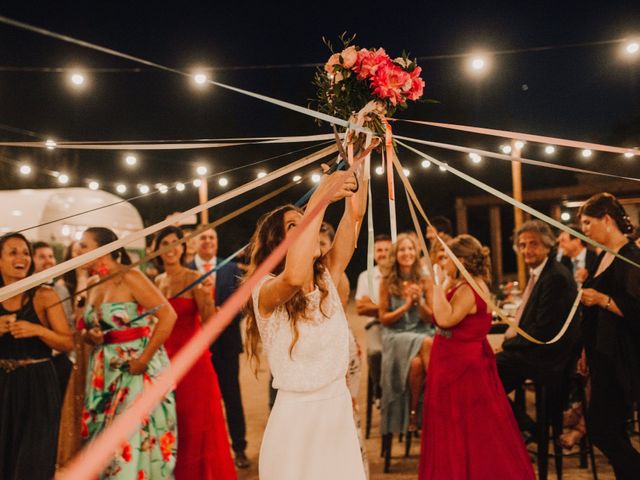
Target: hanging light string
x=154, y=192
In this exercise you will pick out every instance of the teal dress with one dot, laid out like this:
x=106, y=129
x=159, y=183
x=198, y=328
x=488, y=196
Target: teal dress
x=401, y=342
x=150, y=453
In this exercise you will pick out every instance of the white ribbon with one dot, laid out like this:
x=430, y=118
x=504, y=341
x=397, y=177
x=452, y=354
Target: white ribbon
x=38, y=278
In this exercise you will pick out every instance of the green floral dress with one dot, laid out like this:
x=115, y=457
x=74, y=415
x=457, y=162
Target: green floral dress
x=150, y=453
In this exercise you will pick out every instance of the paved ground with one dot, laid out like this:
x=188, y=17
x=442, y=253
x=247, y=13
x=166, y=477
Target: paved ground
x=255, y=397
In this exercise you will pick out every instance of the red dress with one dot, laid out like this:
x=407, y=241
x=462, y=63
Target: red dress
x=469, y=431
x=203, y=443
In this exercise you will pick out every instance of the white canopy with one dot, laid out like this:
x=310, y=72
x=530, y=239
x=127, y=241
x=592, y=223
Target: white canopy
x=26, y=208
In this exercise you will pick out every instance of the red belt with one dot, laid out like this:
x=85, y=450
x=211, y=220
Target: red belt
x=126, y=334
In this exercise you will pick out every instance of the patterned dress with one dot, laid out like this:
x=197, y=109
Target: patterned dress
x=150, y=453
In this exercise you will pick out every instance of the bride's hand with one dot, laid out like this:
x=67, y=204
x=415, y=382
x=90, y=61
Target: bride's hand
x=346, y=181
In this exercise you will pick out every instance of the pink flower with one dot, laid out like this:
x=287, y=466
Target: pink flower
x=349, y=57
x=333, y=60
x=417, y=85
x=369, y=62
x=389, y=81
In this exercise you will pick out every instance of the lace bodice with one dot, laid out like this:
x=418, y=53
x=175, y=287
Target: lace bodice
x=321, y=354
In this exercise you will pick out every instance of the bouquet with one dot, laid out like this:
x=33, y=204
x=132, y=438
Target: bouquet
x=366, y=85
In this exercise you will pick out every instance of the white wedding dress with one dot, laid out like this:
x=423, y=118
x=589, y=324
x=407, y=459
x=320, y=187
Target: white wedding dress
x=311, y=434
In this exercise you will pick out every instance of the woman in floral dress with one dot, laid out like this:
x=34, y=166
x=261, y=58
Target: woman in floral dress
x=128, y=356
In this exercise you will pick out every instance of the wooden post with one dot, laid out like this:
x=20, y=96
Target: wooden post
x=495, y=224
x=203, y=197
x=461, y=216
x=516, y=178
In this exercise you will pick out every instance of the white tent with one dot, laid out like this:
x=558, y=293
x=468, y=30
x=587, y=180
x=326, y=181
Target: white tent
x=20, y=209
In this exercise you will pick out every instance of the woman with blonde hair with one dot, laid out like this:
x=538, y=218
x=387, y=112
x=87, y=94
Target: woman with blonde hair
x=407, y=333
x=297, y=314
x=469, y=431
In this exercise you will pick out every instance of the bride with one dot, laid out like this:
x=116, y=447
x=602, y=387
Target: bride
x=296, y=312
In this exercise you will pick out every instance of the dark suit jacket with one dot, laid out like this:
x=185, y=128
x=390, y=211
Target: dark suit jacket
x=590, y=261
x=543, y=316
x=227, y=280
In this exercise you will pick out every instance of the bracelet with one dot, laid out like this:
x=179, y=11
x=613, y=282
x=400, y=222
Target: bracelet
x=606, y=307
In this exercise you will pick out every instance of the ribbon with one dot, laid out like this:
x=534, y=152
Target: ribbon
x=187, y=145
x=510, y=158
x=370, y=244
x=41, y=277
x=520, y=205
x=527, y=137
x=504, y=318
x=92, y=460
x=388, y=142
x=126, y=335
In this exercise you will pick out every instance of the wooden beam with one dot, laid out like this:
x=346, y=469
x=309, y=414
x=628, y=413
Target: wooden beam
x=495, y=224
x=462, y=224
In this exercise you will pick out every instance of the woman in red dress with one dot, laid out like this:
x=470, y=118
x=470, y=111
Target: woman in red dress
x=469, y=431
x=203, y=443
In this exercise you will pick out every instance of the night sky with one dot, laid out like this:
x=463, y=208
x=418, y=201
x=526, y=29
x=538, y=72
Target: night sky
x=580, y=93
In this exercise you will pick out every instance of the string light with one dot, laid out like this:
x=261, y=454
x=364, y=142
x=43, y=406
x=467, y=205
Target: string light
x=121, y=188
x=77, y=79
x=63, y=178
x=200, y=78
x=477, y=64
x=379, y=170
x=25, y=169
x=180, y=186
x=424, y=164
x=506, y=149
x=629, y=154
x=315, y=178
x=443, y=168
x=50, y=144
x=520, y=144
x=632, y=48
x=131, y=160
x=586, y=153
x=406, y=172
x=223, y=182
x=475, y=158
x=297, y=178
x=197, y=183
x=549, y=149
x=93, y=185
x=262, y=174
x=202, y=170
x=144, y=189
x=162, y=188
x=565, y=216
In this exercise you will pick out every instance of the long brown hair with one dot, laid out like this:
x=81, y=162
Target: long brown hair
x=391, y=270
x=270, y=232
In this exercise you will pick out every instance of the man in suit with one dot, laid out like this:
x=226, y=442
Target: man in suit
x=576, y=256
x=546, y=303
x=225, y=351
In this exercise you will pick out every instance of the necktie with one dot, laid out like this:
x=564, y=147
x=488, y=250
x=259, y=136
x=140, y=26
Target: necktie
x=207, y=267
x=525, y=296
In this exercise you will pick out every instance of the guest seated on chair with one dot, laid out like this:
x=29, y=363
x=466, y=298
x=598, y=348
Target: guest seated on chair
x=546, y=303
x=406, y=316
